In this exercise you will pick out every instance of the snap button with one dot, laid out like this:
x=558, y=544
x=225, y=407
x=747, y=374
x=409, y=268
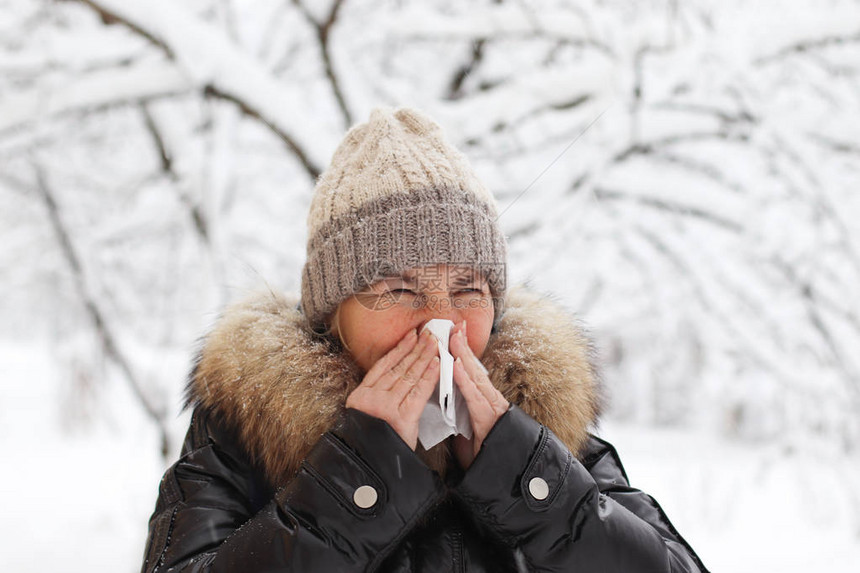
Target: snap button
x=365, y=497
x=538, y=488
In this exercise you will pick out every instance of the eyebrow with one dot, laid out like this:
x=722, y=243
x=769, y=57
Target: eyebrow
x=461, y=280
x=467, y=280
x=412, y=278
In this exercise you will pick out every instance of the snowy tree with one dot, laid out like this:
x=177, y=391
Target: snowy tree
x=678, y=173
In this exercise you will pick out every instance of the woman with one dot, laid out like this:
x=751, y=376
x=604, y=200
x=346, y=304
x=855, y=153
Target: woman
x=305, y=451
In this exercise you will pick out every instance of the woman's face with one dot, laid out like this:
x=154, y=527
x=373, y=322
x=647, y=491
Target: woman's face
x=372, y=322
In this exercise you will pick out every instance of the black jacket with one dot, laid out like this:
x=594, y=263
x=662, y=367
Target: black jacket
x=527, y=503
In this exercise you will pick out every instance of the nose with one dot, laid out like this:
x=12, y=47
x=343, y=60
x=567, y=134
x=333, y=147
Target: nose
x=439, y=305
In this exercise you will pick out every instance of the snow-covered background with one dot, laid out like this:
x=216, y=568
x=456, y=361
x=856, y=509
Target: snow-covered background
x=681, y=174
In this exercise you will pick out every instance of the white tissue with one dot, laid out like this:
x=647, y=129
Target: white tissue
x=446, y=413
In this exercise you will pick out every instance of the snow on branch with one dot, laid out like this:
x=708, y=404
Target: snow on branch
x=674, y=205
x=728, y=141
x=90, y=302
x=323, y=34
x=503, y=21
x=810, y=45
x=97, y=90
x=214, y=64
x=584, y=90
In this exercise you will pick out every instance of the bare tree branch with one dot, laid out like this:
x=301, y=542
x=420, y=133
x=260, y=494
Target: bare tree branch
x=222, y=70
x=821, y=198
x=701, y=168
x=455, y=88
x=194, y=210
x=106, y=336
x=807, y=46
x=814, y=302
x=676, y=175
x=499, y=22
x=95, y=91
x=659, y=148
x=759, y=351
x=726, y=117
x=651, y=147
x=323, y=33
x=273, y=29
x=663, y=204
x=312, y=168
x=832, y=144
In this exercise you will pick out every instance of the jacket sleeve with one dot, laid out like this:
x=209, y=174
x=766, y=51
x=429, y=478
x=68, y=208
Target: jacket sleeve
x=560, y=514
x=204, y=521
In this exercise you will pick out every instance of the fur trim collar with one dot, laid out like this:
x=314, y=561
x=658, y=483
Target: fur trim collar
x=264, y=373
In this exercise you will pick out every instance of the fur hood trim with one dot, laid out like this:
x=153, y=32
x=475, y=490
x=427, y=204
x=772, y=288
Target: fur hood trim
x=264, y=373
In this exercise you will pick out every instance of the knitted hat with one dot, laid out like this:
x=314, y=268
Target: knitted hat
x=396, y=196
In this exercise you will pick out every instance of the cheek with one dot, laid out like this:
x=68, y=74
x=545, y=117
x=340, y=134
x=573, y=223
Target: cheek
x=479, y=327
x=384, y=342
x=478, y=343
x=379, y=336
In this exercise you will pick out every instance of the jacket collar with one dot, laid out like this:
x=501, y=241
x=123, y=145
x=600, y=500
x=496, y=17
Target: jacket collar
x=280, y=386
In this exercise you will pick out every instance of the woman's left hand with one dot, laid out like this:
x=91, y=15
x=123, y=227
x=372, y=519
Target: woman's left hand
x=486, y=404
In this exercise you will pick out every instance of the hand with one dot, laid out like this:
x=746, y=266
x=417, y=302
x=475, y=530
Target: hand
x=486, y=404
x=398, y=385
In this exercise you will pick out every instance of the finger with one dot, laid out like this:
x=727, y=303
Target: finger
x=457, y=328
x=459, y=344
x=483, y=412
x=392, y=357
x=460, y=349
x=404, y=384
x=416, y=397
x=419, y=367
x=482, y=382
x=475, y=399
x=476, y=402
x=489, y=391
x=407, y=367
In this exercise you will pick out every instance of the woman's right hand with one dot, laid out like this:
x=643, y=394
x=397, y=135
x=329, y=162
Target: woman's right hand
x=398, y=385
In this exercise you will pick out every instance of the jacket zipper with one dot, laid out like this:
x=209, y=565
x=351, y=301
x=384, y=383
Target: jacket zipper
x=457, y=551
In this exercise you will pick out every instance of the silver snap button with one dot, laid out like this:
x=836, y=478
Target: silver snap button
x=365, y=497
x=538, y=488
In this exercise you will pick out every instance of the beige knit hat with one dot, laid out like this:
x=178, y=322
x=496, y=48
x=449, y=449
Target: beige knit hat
x=396, y=196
